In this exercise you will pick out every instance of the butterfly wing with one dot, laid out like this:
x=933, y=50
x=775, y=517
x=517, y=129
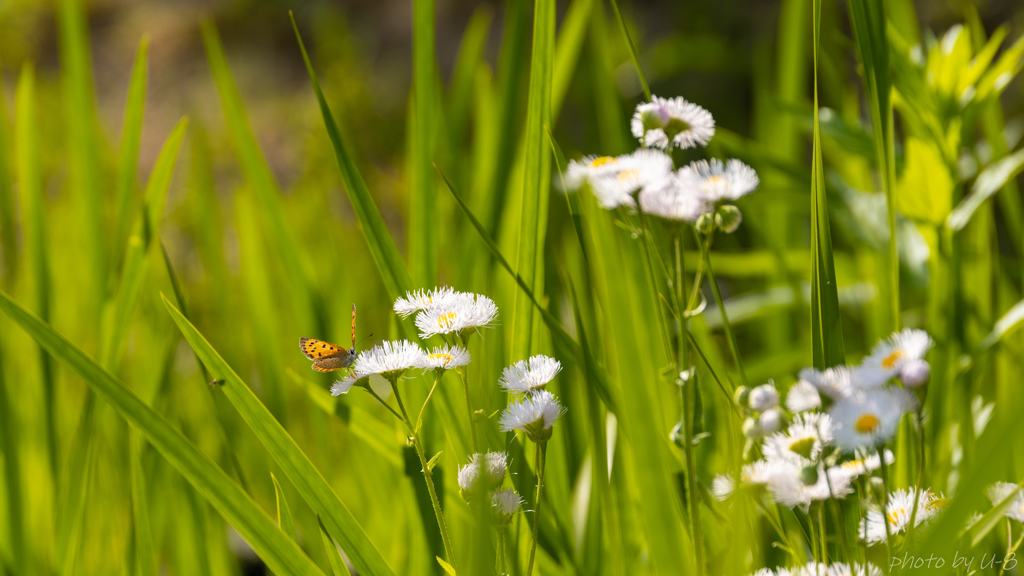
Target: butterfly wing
x=334, y=362
x=326, y=357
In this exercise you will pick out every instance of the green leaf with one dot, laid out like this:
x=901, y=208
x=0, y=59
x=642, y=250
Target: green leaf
x=826, y=329
x=145, y=556
x=283, y=449
x=536, y=176
x=1006, y=324
x=128, y=157
x=337, y=564
x=280, y=554
x=990, y=181
x=382, y=246
x=433, y=461
x=446, y=566
x=925, y=189
x=423, y=228
x=284, y=514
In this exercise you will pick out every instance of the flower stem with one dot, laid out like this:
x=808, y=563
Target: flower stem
x=542, y=451
x=885, y=501
x=501, y=550
x=705, y=252
x=427, y=475
x=419, y=419
x=1012, y=549
x=384, y=403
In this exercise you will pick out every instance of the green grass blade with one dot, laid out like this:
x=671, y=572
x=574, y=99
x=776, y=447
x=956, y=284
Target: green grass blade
x=870, y=30
x=83, y=139
x=632, y=50
x=536, y=175
x=264, y=187
x=471, y=53
x=570, y=42
x=145, y=556
x=382, y=246
x=146, y=231
x=338, y=566
x=826, y=329
x=283, y=449
x=8, y=235
x=423, y=228
x=10, y=443
x=280, y=554
x=128, y=157
x=990, y=181
x=284, y=514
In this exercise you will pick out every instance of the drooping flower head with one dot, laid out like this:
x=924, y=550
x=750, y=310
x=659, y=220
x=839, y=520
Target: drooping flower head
x=387, y=359
x=803, y=441
x=530, y=375
x=504, y=505
x=419, y=300
x=535, y=415
x=484, y=470
x=445, y=358
x=763, y=397
x=902, y=354
x=665, y=122
x=670, y=201
x=836, y=382
x=870, y=417
x=460, y=314
x=898, y=512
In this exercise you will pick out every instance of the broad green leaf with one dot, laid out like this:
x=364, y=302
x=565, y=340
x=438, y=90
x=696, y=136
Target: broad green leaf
x=280, y=554
x=826, y=329
x=284, y=514
x=925, y=189
x=382, y=246
x=283, y=449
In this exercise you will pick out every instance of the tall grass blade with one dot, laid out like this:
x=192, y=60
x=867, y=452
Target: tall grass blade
x=8, y=234
x=826, y=328
x=990, y=181
x=128, y=157
x=284, y=513
x=382, y=246
x=423, y=228
x=536, y=175
x=338, y=566
x=10, y=443
x=632, y=50
x=283, y=449
x=145, y=555
x=280, y=554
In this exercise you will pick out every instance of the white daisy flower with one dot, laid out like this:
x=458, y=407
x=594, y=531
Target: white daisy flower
x=869, y=417
x=904, y=350
x=579, y=172
x=836, y=383
x=837, y=569
x=670, y=201
x=1000, y=491
x=780, y=571
x=763, y=397
x=505, y=504
x=802, y=396
x=445, y=358
x=642, y=170
x=388, y=359
x=770, y=421
x=722, y=487
x=761, y=471
x=469, y=477
x=803, y=441
x=530, y=375
x=898, y=512
x=460, y=313
x=717, y=182
x=672, y=121
x=418, y=300
x=535, y=415
x=865, y=465
x=801, y=485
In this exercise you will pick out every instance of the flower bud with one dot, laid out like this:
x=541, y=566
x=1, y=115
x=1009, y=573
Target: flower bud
x=728, y=218
x=741, y=396
x=676, y=436
x=653, y=116
x=763, y=397
x=495, y=463
x=770, y=420
x=809, y=475
x=706, y=223
x=915, y=373
x=752, y=428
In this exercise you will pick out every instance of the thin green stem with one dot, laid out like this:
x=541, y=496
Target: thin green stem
x=1012, y=549
x=501, y=550
x=427, y=475
x=885, y=502
x=384, y=403
x=705, y=252
x=437, y=380
x=542, y=450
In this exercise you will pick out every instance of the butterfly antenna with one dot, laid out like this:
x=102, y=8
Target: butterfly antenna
x=353, y=325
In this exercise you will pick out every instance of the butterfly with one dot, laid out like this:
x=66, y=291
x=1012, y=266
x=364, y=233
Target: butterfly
x=328, y=357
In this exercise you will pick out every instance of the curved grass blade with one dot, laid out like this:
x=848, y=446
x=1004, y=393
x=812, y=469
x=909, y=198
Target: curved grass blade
x=632, y=50
x=423, y=230
x=284, y=513
x=990, y=181
x=280, y=554
x=826, y=329
x=337, y=564
x=382, y=246
x=283, y=449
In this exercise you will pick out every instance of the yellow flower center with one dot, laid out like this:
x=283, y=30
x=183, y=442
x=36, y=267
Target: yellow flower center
x=890, y=361
x=597, y=162
x=444, y=358
x=803, y=446
x=937, y=504
x=866, y=424
x=627, y=174
x=894, y=516
x=853, y=464
x=446, y=321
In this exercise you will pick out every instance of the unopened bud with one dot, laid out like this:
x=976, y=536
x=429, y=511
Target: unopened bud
x=915, y=373
x=728, y=218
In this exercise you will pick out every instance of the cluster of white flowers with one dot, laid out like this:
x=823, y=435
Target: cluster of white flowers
x=838, y=419
x=445, y=311
x=393, y=359
x=900, y=512
x=485, y=474
x=699, y=192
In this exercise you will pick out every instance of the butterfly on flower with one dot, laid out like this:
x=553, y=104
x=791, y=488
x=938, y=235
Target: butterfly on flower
x=328, y=357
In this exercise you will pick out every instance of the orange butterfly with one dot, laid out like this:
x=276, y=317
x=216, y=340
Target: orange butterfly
x=328, y=357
